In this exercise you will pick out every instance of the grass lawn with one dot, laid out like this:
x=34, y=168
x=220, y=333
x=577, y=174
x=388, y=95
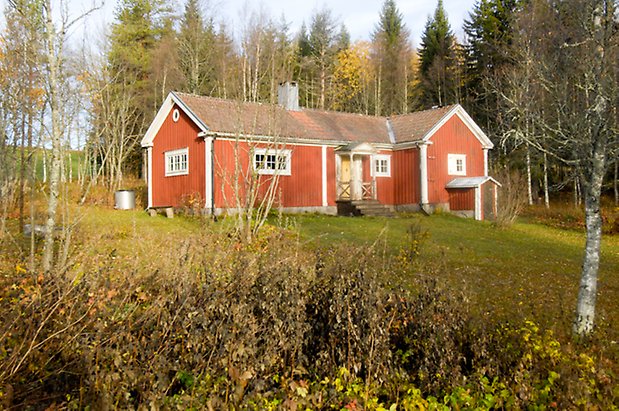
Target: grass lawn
x=528, y=270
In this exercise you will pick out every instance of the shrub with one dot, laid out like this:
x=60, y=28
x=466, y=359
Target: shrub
x=222, y=324
x=512, y=197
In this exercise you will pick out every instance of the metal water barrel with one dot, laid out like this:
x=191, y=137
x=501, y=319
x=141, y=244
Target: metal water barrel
x=124, y=200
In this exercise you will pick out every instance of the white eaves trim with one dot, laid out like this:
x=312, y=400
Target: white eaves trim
x=470, y=182
x=466, y=119
x=162, y=114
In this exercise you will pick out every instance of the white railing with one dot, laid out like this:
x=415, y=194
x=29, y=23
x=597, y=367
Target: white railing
x=343, y=190
x=368, y=190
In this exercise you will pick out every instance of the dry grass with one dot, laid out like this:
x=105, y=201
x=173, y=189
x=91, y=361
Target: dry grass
x=169, y=286
x=528, y=270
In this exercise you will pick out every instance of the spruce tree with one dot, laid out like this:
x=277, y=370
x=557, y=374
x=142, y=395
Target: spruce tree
x=195, y=45
x=437, y=62
x=133, y=40
x=391, y=57
x=489, y=33
x=323, y=48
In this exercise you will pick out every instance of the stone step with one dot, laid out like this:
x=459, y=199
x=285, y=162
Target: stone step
x=371, y=208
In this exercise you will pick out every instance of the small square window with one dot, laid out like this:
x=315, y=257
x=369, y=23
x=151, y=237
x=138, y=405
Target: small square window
x=456, y=164
x=177, y=162
x=272, y=161
x=382, y=166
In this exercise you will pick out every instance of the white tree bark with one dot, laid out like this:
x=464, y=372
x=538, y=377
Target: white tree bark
x=529, y=187
x=585, y=308
x=594, y=168
x=616, y=188
x=546, y=195
x=53, y=56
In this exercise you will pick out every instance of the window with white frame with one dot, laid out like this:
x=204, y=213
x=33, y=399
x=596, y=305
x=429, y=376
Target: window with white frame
x=272, y=161
x=456, y=164
x=177, y=162
x=382, y=166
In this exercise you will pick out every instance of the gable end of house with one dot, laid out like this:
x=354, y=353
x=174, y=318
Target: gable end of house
x=170, y=102
x=459, y=111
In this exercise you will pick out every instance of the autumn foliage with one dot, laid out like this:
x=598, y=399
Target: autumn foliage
x=215, y=324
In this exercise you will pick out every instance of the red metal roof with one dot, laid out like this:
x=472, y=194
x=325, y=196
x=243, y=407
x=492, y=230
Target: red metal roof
x=257, y=119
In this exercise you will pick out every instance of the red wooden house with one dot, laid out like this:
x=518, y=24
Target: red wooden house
x=324, y=161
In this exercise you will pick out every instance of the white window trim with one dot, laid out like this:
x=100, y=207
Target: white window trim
x=176, y=115
x=263, y=151
x=452, y=161
x=381, y=157
x=171, y=154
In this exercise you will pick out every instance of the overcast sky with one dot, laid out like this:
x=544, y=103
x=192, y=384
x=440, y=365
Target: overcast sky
x=359, y=16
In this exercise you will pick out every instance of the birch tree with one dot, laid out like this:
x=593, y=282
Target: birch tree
x=21, y=50
x=54, y=43
x=575, y=67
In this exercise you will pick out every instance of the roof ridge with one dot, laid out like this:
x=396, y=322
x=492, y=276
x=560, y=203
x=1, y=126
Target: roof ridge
x=318, y=110
x=227, y=100
x=306, y=109
x=450, y=106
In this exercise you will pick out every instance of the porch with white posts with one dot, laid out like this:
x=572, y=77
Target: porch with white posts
x=351, y=184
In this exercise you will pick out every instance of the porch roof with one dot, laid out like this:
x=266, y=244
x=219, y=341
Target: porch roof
x=357, y=148
x=470, y=182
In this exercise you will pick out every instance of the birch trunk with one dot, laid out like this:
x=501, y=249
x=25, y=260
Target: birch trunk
x=585, y=308
x=546, y=195
x=54, y=178
x=529, y=188
x=615, y=182
x=323, y=76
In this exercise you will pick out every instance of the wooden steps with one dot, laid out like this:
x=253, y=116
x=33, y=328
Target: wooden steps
x=365, y=208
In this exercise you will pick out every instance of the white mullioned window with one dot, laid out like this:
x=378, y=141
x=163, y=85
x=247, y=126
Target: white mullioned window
x=269, y=161
x=382, y=165
x=456, y=164
x=177, y=162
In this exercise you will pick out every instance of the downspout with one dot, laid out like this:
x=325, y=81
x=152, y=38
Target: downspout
x=149, y=175
x=209, y=170
x=213, y=177
x=423, y=178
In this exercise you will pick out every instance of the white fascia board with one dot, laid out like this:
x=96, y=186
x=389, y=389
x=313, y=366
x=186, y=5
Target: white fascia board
x=162, y=114
x=411, y=144
x=439, y=124
x=467, y=120
x=494, y=181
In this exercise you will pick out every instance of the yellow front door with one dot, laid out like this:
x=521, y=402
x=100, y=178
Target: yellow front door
x=343, y=184
x=345, y=169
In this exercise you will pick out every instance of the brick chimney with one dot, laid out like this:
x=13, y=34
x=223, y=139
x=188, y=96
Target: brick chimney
x=288, y=95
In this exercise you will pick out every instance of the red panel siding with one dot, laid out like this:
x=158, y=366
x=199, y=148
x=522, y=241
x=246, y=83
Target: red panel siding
x=175, y=190
x=461, y=199
x=384, y=185
x=405, y=176
x=454, y=137
x=302, y=188
x=224, y=159
x=331, y=186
